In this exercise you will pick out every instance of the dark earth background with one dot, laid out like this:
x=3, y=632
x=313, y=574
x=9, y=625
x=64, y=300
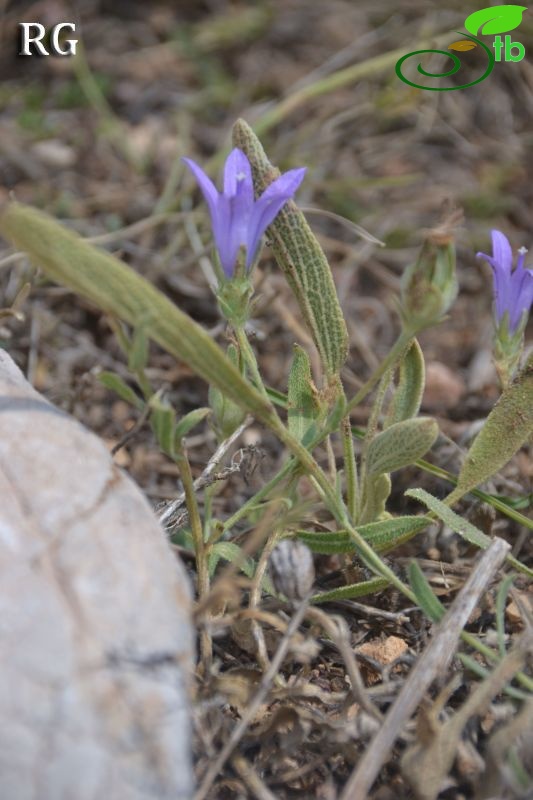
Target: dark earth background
x=96, y=141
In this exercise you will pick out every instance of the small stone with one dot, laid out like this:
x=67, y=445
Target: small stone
x=54, y=153
x=444, y=387
x=292, y=569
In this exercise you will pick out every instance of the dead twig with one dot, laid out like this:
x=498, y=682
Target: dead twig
x=240, y=729
x=433, y=661
x=166, y=516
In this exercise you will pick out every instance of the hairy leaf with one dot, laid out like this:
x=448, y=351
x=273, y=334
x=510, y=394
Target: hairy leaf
x=382, y=535
x=302, y=260
x=461, y=526
x=302, y=396
x=407, y=397
x=401, y=444
x=508, y=426
x=117, y=289
x=351, y=591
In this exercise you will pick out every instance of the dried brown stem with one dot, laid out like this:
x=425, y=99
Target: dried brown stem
x=431, y=663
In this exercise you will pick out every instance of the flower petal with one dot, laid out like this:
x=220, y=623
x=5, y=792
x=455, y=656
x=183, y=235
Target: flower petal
x=206, y=185
x=521, y=296
x=501, y=263
x=238, y=175
x=269, y=205
x=501, y=251
x=221, y=231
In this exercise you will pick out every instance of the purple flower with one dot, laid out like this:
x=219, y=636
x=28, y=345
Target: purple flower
x=238, y=220
x=513, y=289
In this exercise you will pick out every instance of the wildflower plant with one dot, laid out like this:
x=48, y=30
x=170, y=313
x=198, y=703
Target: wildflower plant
x=309, y=410
x=513, y=298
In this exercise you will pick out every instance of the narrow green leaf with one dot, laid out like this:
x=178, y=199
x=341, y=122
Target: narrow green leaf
x=482, y=672
x=382, y=535
x=501, y=599
x=461, y=526
x=508, y=426
x=162, y=419
x=387, y=533
x=351, y=591
x=401, y=444
x=327, y=542
x=138, y=353
x=302, y=396
x=114, y=382
x=496, y=19
x=430, y=605
x=118, y=290
x=302, y=260
x=189, y=421
x=231, y=552
x=405, y=403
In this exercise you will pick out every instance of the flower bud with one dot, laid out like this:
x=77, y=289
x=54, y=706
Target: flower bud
x=292, y=569
x=429, y=286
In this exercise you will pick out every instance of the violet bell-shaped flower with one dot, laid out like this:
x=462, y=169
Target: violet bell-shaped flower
x=239, y=220
x=513, y=289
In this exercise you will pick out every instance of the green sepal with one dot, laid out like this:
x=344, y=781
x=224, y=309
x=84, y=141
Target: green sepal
x=234, y=297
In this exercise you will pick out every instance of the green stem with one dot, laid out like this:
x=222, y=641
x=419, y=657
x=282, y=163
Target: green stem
x=289, y=466
x=400, y=346
x=373, y=422
x=492, y=656
x=250, y=360
x=202, y=568
x=350, y=470
x=337, y=508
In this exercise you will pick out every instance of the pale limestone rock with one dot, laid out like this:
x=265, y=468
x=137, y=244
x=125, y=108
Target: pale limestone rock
x=95, y=637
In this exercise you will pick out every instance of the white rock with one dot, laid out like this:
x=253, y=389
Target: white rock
x=95, y=636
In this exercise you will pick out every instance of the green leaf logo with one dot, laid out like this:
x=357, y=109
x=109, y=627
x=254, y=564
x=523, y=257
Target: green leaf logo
x=497, y=19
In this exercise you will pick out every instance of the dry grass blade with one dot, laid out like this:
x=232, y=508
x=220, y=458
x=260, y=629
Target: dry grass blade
x=431, y=663
x=427, y=763
x=240, y=728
